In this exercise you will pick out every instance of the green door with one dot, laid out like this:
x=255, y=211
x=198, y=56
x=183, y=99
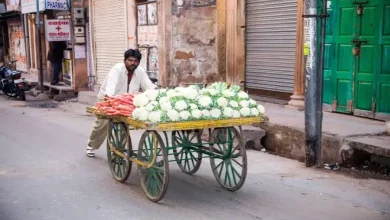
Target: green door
x=383, y=62
x=357, y=57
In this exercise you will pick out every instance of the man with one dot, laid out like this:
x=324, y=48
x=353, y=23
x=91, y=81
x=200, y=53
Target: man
x=126, y=77
x=55, y=56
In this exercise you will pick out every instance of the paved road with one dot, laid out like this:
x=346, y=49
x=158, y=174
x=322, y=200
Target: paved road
x=44, y=174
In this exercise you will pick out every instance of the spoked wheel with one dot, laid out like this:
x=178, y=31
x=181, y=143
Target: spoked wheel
x=118, y=145
x=188, y=159
x=230, y=171
x=154, y=174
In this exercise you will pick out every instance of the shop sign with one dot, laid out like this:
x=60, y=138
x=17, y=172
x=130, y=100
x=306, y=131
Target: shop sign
x=13, y=5
x=57, y=5
x=17, y=46
x=57, y=30
x=30, y=6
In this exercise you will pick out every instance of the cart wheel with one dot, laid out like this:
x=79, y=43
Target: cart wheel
x=154, y=180
x=230, y=172
x=119, y=138
x=188, y=160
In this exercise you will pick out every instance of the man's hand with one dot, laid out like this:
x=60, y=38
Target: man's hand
x=106, y=97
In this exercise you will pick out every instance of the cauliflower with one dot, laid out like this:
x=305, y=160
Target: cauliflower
x=228, y=93
x=222, y=102
x=252, y=102
x=173, y=115
x=205, y=101
x=228, y=112
x=236, y=114
x=190, y=93
x=172, y=93
x=206, y=113
x=140, y=114
x=244, y=103
x=215, y=113
x=255, y=112
x=196, y=113
x=233, y=104
x=163, y=100
x=140, y=100
x=150, y=107
x=193, y=106
x=152, y=94
x=261, y=109
x=212, y=92
x=166, y=106
x=155, y=116
x=185, y=115
x=181, y=105
x=243, y=95
x=245, y=112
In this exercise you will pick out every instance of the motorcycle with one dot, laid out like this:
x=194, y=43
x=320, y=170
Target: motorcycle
x=11, y=82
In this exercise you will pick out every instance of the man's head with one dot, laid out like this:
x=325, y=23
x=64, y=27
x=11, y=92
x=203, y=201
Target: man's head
x=132, y=59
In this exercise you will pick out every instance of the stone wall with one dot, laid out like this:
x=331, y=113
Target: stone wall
x=194, y=53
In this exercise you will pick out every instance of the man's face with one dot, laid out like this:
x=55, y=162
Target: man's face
x=131, y=63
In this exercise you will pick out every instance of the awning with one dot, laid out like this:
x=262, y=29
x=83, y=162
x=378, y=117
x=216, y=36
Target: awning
x=9, y=14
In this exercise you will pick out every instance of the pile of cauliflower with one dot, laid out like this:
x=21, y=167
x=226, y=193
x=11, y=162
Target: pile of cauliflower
x=192, y=103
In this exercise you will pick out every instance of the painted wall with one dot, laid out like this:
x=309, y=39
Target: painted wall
x=194, y=51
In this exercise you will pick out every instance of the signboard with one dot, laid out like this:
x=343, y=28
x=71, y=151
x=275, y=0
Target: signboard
x=13, y=5
x=57, y=4
x=17, y=46
x=30, y=6
x=57, y=30
x=147, y=35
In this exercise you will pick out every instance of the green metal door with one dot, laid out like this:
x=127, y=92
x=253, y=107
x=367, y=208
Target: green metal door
x=357, y=57
x=382, y=101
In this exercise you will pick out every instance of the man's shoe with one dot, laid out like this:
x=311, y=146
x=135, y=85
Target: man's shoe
x=90, y=152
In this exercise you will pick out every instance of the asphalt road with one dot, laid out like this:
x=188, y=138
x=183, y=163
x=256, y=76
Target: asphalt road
x=44, y=174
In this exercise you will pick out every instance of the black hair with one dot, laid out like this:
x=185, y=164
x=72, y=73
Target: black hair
x=133, y=53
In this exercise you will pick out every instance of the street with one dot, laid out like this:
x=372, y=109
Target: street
x=45, y=174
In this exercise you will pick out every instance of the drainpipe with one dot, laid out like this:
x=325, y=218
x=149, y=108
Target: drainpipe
x=26, y=39
x=38, y=19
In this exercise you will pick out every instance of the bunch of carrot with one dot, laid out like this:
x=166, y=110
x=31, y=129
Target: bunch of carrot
x=121, y=105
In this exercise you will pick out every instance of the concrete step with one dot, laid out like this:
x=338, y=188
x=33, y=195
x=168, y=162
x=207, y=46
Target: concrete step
x=359, y=150
x=375, y=145
x=87, y=97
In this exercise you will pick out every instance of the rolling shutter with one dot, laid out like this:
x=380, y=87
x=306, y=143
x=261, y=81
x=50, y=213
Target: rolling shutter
x=270, y=44
x=109, y=34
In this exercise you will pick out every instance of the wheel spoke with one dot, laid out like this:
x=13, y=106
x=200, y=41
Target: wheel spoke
x=220, y=171
x=234, y=172
x=237, y=162
x=218, y=165
x=193, y=136
x=192, y=159
x=179, y=135
x=186, y=161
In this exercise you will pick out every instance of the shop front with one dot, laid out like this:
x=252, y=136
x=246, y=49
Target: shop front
x=63, y=49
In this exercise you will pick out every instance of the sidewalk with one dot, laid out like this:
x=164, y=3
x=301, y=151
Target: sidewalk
x=286, y=136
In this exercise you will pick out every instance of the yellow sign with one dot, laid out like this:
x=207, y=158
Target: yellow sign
x=306, y=50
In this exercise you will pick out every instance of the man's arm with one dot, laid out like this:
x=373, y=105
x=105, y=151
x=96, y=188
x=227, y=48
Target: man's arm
x=112, y=82
x=146, y=83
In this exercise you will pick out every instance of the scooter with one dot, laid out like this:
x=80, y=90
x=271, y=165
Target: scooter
x=12, y=84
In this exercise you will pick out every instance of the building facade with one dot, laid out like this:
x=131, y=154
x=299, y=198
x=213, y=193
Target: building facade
x=258, y=44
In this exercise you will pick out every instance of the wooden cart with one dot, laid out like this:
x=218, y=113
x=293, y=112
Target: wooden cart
x=182, y=143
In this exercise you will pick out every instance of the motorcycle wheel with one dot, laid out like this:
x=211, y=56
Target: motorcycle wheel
x=9, y=91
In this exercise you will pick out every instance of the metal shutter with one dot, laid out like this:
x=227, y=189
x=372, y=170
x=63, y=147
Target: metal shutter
x=110, y=35
x=270, y=44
